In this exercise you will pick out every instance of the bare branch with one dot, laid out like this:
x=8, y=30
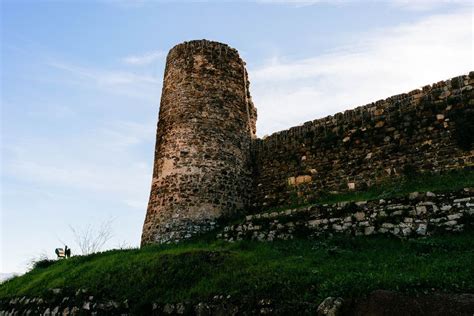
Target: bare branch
x=90, y=240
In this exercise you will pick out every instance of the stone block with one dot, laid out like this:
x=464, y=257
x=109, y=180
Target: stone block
x=421, y=210
x=454, y=216
x=303, y=179
x=421, y=230
x=359, y=216
x=369, y=230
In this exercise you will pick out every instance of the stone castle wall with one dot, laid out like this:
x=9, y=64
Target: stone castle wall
x=209, y=165
x=424, y=130
x=418, y=214
x=202, y=157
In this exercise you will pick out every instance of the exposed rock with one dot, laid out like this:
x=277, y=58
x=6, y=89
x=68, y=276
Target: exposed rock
x=421, y=230
x=168, y=309
x=369, y=230
x=331, y=306
x=56, y=291
x=202, y=309
x=359, y=216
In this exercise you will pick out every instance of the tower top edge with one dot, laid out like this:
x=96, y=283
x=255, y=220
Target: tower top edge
x=197, y=45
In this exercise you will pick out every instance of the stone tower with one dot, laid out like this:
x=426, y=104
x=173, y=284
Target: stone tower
x=202, y=156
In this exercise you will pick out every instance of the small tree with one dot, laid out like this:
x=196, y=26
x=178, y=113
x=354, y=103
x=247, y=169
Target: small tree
x=90, y=239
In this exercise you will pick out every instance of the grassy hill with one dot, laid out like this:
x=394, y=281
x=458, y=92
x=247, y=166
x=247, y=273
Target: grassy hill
x=301, y=270
x=287, y=272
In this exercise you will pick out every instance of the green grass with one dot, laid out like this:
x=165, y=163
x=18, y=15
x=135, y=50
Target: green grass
x=417, y=182
x=302, y=270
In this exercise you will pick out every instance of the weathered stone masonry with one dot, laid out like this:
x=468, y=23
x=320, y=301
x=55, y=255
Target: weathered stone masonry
x=417, y=131
x=417, y=214
x=202, y=157
x=209, y=165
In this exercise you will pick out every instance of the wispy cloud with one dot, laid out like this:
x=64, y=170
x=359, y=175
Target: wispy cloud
x=144, y=59
x=402, y=4
x=422, y=5
x=384, y=63
x=113, y=164
x=117, y=82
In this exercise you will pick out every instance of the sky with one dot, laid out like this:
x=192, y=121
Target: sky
x=81, y=83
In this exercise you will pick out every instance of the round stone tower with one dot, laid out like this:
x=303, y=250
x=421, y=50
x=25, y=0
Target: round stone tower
x=206, y=123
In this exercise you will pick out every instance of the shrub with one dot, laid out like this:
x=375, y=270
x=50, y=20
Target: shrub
x=43, y=263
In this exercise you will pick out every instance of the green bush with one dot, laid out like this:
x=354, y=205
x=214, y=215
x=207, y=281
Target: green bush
x=43, y=263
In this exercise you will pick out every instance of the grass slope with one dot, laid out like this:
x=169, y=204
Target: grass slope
x=302, y=270
x=296, y=270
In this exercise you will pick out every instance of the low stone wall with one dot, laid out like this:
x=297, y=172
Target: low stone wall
x=178, y=229
x=59, y=303
x=378, y=302
x=418, y=214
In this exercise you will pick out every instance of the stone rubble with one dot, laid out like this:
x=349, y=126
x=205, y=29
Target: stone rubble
x=418, y=214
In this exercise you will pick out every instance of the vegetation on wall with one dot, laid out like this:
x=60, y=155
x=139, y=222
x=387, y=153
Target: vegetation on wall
x=411, y=181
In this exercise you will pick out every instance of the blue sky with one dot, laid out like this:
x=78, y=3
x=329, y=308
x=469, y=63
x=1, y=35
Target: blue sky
x=81, y=84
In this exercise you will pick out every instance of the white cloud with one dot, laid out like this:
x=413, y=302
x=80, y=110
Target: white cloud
x=131, y=84
x=144, y=59
x=421, y=5
x=296, y=2
x=385, y=62
x=402, y=4
x=103, y=161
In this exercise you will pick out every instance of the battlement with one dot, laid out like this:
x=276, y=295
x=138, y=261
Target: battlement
x=210, y=165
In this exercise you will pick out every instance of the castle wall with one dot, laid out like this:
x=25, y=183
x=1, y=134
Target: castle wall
x=202, y=157
x=209, y=165
x=426, y=130
x=418, y=214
